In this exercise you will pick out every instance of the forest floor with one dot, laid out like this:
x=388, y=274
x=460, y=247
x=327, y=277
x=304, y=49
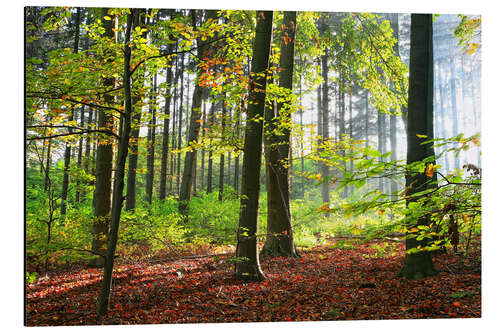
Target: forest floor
x=340, y=280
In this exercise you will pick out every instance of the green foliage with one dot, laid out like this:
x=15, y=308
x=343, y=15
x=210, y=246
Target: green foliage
x=30, y=277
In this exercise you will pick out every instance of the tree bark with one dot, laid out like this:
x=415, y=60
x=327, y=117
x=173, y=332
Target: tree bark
x=247, y=249
x=279, y=240
x=104, y=166
x=166, y=124
x=118, y=185
x=420, y=121
x=150, y=163
x=324, y=169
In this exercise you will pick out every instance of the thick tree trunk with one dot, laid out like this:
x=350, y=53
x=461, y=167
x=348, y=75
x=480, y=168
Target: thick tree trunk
x=420, y=122
x=104, y=166
x=279, y=240
x=249, y=267
x=103, y=300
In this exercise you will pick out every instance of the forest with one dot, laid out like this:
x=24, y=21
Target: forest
x=214, y=166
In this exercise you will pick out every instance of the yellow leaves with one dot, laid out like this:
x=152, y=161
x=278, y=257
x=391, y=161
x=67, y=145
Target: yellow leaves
x=429, y=170
x=472, y=48
x=381, y=212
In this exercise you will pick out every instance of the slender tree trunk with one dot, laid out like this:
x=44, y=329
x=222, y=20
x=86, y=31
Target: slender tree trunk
x=221, y=158
x=179, y=134
x=166, y=124
x=151, y=143
x=194, y=128
x=87, y=142
x=204, y=128
x=174, y=134
x=249, y=268
x=454, y=110
x=325, y=170
x=210, y=159
x=420, y=122
x=103, y=301
x=80, y=153
x=237, y=157
x=67, y=151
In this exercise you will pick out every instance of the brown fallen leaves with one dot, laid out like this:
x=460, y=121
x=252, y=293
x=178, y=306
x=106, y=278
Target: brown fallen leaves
x=325, y=283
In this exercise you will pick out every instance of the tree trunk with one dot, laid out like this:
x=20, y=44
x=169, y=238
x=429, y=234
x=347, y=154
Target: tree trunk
x=135, y=132
x=102, y=307
x=279, y=240
x=166, y=124
x=325, y=170
x=221, y=158
x=210, y=159
x=194, y=128
x=67, y=151
x=80, y=153
x=104, y=166
x=151, y=143
x=249, y=267
x=420, y=121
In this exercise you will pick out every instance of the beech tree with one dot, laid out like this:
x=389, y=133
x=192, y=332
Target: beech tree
x=247, y=265
x=104, y=164
x=419, y=264
x=279, y=239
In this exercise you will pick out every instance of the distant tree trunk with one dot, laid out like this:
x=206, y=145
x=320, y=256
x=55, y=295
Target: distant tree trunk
x=454, y=110
x=249, y=269
x=80, y=153
x=367, y=120
x=67, y=151
x=210, y=159
x=150, y=170
x=351, y=136
x=221, y=158
x=179, y=130
x=46, y=181
x=87, y=142
x=228, y=176
x=174, y=134
x=166, y=124
x=204, y=128
x=420, y=122
x=104, y=165
x=103, y=300
x=237, y=157
x=279, y=240
x=302, y=163
x=381, y=144
x=325, y=170
x=194, y=127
